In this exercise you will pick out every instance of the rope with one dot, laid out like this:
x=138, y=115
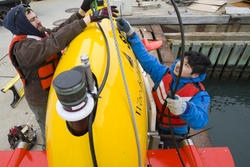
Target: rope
x=125, y=83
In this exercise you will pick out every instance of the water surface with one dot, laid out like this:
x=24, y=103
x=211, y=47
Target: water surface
x=229, y=117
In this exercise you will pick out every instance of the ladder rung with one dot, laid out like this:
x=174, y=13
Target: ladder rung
x=10, y=84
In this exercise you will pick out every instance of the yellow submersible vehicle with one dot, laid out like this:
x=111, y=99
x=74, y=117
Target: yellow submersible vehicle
x=90, y=79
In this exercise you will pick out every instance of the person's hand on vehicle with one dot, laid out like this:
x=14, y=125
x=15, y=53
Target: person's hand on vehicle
x=124, y=25
x=86, y=5
x=102, y=13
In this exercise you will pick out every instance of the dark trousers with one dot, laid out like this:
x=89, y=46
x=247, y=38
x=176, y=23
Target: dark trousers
x=40, y=115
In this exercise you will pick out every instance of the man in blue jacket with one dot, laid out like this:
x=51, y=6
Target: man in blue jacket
x=190, y=104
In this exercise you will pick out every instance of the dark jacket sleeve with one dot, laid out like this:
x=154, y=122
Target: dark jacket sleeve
x=73, y=17
x=32, y=52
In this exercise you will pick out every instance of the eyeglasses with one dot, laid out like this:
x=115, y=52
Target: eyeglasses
x=19, y=8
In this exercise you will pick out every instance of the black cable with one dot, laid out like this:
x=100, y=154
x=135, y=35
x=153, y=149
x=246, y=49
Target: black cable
x=92, y=115
x=183, y=46
x=178, y=78
x=108, y=62
x=91, y=142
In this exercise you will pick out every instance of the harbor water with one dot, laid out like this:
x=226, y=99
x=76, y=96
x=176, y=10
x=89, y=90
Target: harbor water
x=229, y=116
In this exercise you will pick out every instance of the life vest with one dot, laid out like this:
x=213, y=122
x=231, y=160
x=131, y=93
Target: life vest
x=45, y=70
x=187, y=92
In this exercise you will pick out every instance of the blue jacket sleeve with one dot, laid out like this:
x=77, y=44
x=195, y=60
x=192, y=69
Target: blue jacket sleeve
x=148, y=62
x=196, y=117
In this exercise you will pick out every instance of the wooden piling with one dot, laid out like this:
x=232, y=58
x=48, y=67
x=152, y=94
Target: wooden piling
x=242, y=61
x=213, y=56
x=227, y=47
x=196, y=46
x=232, y=59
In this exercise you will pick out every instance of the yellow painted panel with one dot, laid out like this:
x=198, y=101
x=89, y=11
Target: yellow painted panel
x=113, y=132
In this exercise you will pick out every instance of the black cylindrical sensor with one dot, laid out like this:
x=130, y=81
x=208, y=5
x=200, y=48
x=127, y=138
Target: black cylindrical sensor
x=70, y=88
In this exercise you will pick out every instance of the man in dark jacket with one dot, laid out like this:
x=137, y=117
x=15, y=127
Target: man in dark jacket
x=35, y=50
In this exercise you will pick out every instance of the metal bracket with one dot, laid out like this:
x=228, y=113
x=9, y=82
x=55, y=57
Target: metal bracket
x=154, y=141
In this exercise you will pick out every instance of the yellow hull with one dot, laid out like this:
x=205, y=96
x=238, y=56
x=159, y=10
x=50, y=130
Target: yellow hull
x=113, y=131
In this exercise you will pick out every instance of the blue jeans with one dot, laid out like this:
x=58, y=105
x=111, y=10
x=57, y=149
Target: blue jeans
x=40, y=115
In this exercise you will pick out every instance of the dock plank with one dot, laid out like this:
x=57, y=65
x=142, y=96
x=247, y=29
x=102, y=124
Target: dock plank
x=165, y=54
x=210, y=36
x=239, y=19
x=201, y=140
x=206, y=28
x=172, y=19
